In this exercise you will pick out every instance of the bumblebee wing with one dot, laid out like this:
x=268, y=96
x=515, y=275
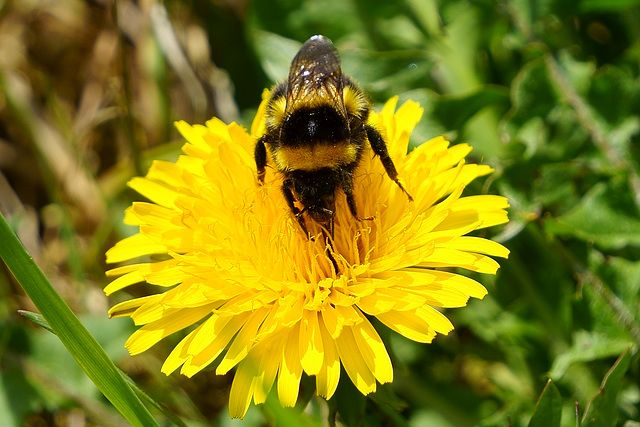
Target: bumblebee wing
x=315, y=77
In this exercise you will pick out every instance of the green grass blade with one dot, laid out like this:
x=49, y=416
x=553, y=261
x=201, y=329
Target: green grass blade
x=39, y=320
x=548, y=410
x=78, y=341
x=602, y=410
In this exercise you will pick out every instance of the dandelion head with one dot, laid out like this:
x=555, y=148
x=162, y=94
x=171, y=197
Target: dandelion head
x=256, y=294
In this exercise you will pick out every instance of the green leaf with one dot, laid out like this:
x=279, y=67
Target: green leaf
x=288, y=417
x=36, y=318
x=613, y=93
x=623, y=277
x=80, y=344
x=548, y=410
x=579, y=74
x=389, y=404
x=607, y=5
x=276, y=53
x=349, y=403
x=18, y=397
x=604, y=216
x=587, y=346
x=601, y=410
x=531, y=93
x=454, y=110
x=39, y=320
x=556, y=186
x=528, y=13
x=609, y=305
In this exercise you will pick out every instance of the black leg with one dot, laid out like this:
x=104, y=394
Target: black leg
x=260, y=155
x=332, y=215
x=288, y=196
x=346, y=182
x=380, y=148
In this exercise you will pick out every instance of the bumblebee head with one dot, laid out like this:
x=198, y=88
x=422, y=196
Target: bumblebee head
x=317, y=192
x=322, y=215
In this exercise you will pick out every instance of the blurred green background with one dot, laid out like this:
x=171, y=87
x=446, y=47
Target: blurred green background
x=547, y=92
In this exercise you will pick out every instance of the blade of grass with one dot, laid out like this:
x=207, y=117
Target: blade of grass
x=78, y=341
x=39, y=320
x=548, y=410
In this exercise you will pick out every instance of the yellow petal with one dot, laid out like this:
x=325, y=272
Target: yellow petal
x=329, y=376
x=408, y=324
x=488, y=210
x=373, y=351
x=156, y=192
x=241, y=387
x=166, y=172
x=372, y=305
x=477, y=245
x=354, y=363
x=407, y=117
x=270, y=326
x=332, y=321
x=163, y=273
x=127, y=308
x=210, y=329
x=217, y=343
x=462, y=175
x=349, y=315
x=133, y=247
x=123, y=281
x=311, y=349
x=150, y=214
x=444, y=257
x=243, y=342
x=291, y=314
x=257, y=126
x=464, y=284
x=218, y=128
x=401, y=300
x=189, y=132
x=179, y=354
x=269, y=356
x=150, y=334
x=436, y=320
x=290, y=369
x=436, y=295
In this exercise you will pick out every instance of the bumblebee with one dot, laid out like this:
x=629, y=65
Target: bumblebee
x=316, y=132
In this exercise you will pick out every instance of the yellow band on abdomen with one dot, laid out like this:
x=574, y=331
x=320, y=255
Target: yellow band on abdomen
x=318, y=156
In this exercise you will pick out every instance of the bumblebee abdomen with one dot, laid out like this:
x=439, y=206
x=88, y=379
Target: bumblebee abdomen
x=312, y=138
x=316, y=156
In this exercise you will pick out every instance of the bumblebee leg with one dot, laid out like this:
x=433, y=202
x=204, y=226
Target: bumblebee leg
x=380, y=148
x=288, y=196
x=331, y=223
x=332, y=215
x=328, y=226
x=347, y=187
x=260, y=155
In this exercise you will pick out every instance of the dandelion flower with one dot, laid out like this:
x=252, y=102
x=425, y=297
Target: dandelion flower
x=263, y=298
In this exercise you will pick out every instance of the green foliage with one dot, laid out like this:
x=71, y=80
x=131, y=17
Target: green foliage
x=547, y=93
x=77, y=340
x=602, y=408
x=548, y=410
